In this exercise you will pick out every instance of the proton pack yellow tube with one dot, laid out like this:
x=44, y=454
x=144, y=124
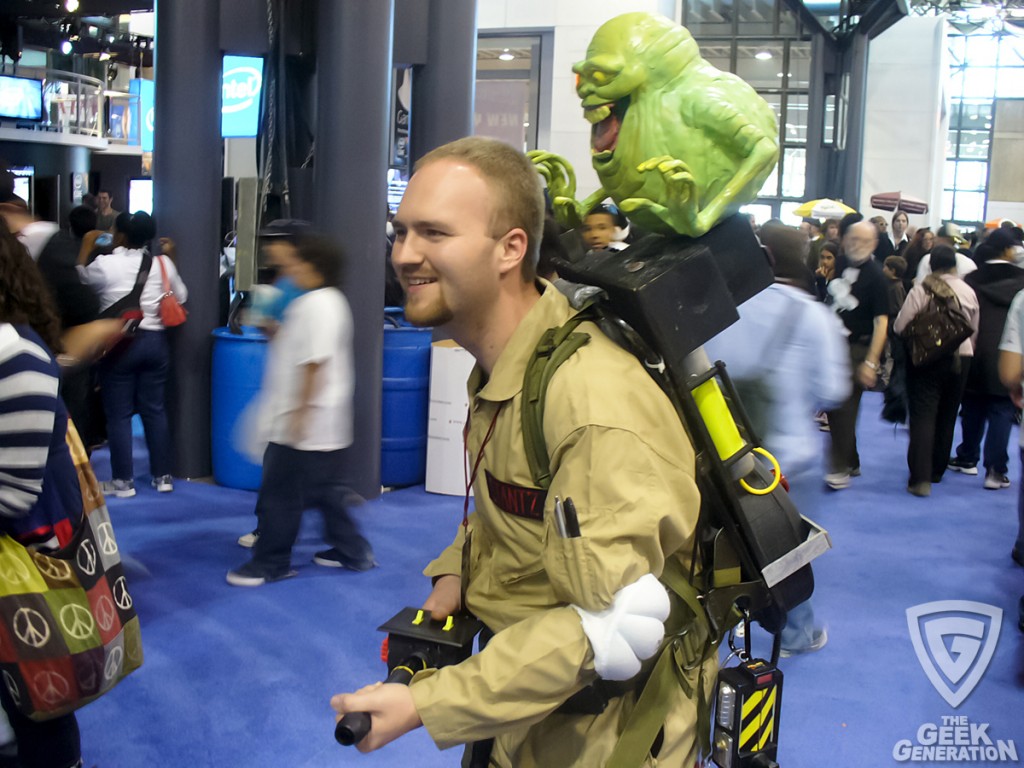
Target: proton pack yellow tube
x=718, y=419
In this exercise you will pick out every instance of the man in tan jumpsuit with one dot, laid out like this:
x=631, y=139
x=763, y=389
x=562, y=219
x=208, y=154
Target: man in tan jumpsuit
x=467, y=231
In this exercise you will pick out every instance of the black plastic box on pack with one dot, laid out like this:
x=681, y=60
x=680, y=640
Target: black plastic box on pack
x=772, y=527
x=678, y=292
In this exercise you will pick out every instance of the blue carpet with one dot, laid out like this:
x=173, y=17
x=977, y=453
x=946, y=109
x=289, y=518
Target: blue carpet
x=242, y=677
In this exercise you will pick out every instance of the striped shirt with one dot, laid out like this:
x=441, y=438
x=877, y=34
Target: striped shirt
x=28, y=406
x=40, y=496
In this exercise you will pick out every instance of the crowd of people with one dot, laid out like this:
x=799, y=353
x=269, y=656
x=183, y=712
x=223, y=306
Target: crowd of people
x=470, y=242
x=82, y=344
x=877, y=297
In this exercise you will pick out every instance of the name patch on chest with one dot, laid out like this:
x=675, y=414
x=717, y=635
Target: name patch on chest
x=516, y=500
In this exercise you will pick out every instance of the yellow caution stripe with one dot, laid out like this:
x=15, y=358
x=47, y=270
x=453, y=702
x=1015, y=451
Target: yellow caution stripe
x=757, y=719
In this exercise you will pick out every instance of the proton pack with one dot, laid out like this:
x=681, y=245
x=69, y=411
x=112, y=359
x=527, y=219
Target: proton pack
x=662, y=299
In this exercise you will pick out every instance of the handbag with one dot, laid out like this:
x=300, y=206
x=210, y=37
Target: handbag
x=171, y=312
x=132, y=300
x=68, y=628
x=939, y=329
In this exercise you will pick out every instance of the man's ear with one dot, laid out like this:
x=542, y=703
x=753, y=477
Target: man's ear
x=514, y=249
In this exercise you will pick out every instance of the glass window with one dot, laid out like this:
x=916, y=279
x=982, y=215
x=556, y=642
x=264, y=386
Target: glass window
x=507, y=89
x=718, y=55
x=829, y=128
x=775, y=102
x=949, y=174
x=969, y=206
x=979, y=81
x=787, y=216
x=709, y=18
x=958, y=49
x=974, y=145
x=799, y=65
x=971, y=175
x=754, y=17
x=796, y=119
x=794, y=172
x=788, y=22
x=760, y=63
x=1011, y=51
x=761, y=212
x=982, y=50
x=771, y=184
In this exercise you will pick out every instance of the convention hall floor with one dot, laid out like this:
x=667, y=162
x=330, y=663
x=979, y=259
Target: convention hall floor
x=242, y=677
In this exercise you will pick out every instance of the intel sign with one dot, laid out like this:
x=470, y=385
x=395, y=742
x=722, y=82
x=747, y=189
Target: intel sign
x=240, y=96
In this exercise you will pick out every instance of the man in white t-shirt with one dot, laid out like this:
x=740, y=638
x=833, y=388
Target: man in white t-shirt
x=306, y=414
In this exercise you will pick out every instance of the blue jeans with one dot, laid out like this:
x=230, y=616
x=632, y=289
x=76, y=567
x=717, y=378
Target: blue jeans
x=292, y=481
x=133, y=380
x=975, y=410
x=807, y=493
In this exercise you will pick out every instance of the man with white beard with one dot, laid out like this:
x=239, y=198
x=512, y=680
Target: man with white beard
x=860, y=297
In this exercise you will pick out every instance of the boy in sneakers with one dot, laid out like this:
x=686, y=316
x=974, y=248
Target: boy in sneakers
x=306, y=417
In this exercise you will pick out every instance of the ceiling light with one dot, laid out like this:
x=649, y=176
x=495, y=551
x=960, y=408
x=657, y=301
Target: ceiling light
x=506, y=56
x=71, y=5
x=763, y=55
x=65, y=47
x=104, y=55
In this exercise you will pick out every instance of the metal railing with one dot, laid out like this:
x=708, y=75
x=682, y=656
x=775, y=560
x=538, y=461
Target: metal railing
x=81, y=105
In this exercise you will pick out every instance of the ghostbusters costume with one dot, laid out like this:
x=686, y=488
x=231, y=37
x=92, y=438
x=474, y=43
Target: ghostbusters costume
x=619, y=451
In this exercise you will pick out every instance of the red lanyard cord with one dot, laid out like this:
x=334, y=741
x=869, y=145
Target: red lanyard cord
x=471, y=478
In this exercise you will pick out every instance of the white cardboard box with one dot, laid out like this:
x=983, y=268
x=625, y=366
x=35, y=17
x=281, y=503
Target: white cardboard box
x=450, y=366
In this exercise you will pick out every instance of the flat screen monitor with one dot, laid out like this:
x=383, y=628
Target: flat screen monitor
x=140, y=195
x=23, y=182
x=396, y=189
x=21, y=98
x=241, y=82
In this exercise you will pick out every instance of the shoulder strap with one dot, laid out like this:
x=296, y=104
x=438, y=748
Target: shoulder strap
x=553, y=349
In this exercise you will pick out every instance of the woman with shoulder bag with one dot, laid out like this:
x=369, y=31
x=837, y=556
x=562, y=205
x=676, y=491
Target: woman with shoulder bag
x=135, y=374
x=934, y=388
x=40, y=498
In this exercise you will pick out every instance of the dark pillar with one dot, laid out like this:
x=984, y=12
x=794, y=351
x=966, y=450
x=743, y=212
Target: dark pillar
x=187, y=172
x=350, y=185
x=442, y=101
x=856, y=63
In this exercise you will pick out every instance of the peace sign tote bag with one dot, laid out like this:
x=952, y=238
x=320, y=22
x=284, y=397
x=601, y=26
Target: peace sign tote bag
x=68, y=628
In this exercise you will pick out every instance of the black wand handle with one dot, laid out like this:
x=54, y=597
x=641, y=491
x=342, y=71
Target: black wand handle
x=354, y=726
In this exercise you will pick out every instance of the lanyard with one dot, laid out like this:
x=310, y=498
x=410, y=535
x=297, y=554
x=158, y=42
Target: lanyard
x=470, y=478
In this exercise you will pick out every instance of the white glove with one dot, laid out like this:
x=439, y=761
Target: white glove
x=629, y=630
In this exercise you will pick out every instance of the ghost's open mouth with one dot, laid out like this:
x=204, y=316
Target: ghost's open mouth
x=606, y=120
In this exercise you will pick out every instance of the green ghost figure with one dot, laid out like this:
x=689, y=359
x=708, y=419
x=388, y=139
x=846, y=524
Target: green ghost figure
x=678, y=144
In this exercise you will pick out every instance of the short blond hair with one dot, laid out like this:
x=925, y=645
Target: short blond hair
x=519, y=198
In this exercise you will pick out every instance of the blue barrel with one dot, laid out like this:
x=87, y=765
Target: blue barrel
x=235, y=378
x=405, y=401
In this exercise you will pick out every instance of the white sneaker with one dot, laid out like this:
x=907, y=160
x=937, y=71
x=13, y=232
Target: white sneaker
x=996, y=480
x=837, y=481
x=163, y=484
x=248, y=540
